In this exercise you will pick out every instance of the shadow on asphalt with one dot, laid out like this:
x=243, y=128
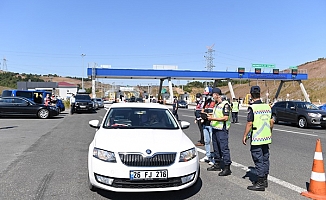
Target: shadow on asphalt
x=251, y=174
x=294, y=125
x=8, y=127
x=180, y=194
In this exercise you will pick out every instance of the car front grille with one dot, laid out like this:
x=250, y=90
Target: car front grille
x=126, y=183
x=157, y=160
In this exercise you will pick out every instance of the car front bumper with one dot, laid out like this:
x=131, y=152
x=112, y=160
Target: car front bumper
x=177, y=173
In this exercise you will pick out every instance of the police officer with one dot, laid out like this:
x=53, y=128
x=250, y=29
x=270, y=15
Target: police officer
x=175, y=108
x=198, y=120
x=220, y=122
x=235, y=110
x=207, y=128
x=259, y=129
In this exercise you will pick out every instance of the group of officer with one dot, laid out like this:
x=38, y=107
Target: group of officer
x=213, y=117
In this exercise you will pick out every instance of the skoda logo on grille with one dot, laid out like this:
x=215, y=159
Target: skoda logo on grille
x=148, y=151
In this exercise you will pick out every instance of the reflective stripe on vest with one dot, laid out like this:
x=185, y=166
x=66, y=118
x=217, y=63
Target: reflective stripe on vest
x=218, y=113
x=261, y=131
x=235, y=107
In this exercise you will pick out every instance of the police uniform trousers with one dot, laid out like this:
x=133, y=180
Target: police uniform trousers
x=220, y=140
x=260, y=156
x=201, y=131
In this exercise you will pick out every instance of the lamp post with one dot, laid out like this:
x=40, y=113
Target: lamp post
x=83, y=55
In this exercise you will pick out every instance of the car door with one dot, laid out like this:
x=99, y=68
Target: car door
x=8, y=106
x=23, y=107
x=290, y=113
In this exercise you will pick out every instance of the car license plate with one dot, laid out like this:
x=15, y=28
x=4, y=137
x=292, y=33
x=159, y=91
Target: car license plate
x=149, y=175
x=83, y=106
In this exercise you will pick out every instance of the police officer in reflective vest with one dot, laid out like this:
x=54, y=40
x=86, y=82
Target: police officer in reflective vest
x=235, y=110
x=259, y=129
x=198, y=120
x=220, y=122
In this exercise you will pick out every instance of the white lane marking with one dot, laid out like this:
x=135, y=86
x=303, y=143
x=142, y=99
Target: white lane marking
x=270, y=178
x=296, y=132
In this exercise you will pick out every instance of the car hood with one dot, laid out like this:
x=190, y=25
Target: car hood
x=139, y=140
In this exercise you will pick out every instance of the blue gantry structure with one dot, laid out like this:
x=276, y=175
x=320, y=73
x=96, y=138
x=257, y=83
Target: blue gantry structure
x=162, y=75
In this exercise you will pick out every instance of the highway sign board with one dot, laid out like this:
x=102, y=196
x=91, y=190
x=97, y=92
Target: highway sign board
x=263, y=65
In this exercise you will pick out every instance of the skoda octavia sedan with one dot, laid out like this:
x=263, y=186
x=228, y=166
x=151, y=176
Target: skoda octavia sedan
x=141, y=148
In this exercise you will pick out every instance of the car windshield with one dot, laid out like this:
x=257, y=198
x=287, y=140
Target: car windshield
x=140, y=118
x=98, y=99
x=306, y=105
x=182, y=101
x=83, y=97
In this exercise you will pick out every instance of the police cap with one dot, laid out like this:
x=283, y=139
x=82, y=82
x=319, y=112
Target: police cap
x=217, y=91
x=255, y=89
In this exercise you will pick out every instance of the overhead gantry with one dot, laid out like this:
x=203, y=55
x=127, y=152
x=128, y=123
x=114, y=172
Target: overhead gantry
x=170, y=75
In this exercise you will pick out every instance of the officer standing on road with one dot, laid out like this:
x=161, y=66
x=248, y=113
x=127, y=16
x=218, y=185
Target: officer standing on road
x=175, y=108
x=259, y=129
x=198, y=120
x=220, y=122
x=72, y=104
x=235, y=110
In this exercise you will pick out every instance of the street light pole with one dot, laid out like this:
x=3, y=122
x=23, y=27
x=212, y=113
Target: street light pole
x=83, y=55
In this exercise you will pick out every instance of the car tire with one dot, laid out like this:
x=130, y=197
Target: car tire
x=323, y=126
x=43, y=113
x=275, y=119
x=187, y=107
x=302, y=122
x=90, y=186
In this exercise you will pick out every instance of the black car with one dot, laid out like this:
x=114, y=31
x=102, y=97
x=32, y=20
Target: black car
x=300, y=113
x=23, y=106
x=83, y=103
x=182, y=104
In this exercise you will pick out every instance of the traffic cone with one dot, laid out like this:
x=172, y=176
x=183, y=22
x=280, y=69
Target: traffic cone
x=317, y=186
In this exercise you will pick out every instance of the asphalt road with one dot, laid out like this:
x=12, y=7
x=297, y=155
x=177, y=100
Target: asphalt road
x=47, y=159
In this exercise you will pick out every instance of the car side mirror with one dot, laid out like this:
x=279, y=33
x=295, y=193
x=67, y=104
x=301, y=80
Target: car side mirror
x=94, y=123
x=184, y=124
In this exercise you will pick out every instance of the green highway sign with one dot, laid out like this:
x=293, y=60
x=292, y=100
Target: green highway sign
x=293, y=67
x=263, y=65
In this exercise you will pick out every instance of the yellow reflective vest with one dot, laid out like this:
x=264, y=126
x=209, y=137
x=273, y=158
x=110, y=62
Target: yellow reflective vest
x=261, y=132
x=235, y=106
x=218, y=113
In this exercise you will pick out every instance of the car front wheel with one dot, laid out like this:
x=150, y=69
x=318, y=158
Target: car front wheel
x=43, y=113
x=302, y=122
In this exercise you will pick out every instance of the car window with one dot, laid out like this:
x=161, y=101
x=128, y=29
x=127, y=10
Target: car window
x=280, y=105
x=289, y=105
x=83, y=97
x=140, y=118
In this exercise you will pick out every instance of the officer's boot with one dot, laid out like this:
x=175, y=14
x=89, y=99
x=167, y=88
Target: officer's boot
x=266, y=181
x=258, y=186
x=215, y=167
x=226, y=171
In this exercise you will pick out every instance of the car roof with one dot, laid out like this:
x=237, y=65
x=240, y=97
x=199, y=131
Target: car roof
x=138, y=105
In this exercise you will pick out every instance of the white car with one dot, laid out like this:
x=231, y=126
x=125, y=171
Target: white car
x=141, y=148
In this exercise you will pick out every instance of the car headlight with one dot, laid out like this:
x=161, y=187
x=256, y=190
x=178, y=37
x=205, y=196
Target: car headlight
x=106, y=156
x=188, y=155
x=314, y=114
x=53, y=108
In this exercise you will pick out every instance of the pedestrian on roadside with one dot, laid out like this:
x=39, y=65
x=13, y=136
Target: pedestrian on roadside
x=72, y=104
x=259, y=130
x=220, y=122
x=175, y=108
x=235, y=110
x=199, y=121
x=207, y=129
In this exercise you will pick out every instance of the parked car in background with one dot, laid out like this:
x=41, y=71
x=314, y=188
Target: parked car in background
x=83, y=103
x=148, y=160
x=182, y=104
x=19, y=106
x=99, y=101
x=303, y=114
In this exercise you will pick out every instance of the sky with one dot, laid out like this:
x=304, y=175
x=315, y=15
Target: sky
x=49, y=37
